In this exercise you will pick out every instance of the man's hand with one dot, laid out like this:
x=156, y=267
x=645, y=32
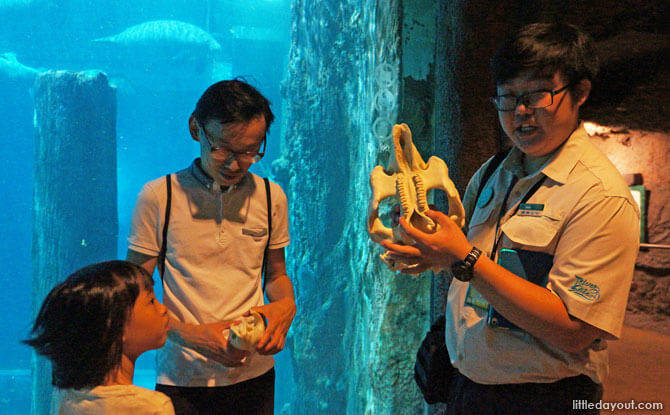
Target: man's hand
x=431, y=250
x=208, y=340
x=278, y=315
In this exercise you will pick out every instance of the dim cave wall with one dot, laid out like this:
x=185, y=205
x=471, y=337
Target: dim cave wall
x=630, y=103
x=643, y=157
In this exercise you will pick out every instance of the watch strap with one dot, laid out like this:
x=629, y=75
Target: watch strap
x=463, y=270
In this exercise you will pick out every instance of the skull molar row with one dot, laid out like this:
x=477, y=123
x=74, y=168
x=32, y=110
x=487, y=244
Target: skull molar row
x=408, y=179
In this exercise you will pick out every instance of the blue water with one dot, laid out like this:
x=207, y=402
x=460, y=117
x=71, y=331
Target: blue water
x=160, y=69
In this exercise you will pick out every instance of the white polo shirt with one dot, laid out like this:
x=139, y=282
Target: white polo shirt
x=213, y=266
x=114, y=400
x=584, y=215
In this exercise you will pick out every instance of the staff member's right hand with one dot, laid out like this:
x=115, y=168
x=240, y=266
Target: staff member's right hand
x=430, y=250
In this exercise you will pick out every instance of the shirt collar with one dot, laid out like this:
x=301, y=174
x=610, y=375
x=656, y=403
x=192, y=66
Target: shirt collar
x=199, y=173
x=513, y=162
x=559, y=166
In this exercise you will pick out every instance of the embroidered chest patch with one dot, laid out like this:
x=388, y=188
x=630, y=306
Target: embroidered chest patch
x=585, y=289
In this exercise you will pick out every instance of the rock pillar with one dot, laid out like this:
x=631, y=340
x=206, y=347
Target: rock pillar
x=74, y=197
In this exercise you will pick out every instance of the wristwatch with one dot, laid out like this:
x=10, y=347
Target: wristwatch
x=462, y=270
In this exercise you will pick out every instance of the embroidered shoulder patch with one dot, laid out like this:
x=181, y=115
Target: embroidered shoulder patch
x=585, y=289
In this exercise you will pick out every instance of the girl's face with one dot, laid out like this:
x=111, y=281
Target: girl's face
x=147, y=327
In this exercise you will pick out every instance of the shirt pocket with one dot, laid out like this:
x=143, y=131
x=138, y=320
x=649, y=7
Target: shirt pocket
x=248, y=249
x=257, y=234
x=534, y=231
x=481, y=216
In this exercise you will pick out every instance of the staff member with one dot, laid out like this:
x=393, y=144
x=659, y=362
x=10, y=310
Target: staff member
x=554, y=196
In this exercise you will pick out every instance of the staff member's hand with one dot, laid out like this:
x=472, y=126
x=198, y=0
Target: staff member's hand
x=431, y=250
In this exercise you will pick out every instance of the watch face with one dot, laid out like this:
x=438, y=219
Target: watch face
x=462, y=271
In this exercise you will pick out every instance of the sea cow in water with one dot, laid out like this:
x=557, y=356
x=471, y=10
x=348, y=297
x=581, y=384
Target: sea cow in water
x=16, y=79
x=12, y=69
x=162, y=55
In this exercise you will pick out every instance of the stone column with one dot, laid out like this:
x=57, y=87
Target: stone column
x=354, y=339
x=74, y=197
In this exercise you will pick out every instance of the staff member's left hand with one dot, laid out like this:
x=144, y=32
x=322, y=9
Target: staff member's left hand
x=431, y=250
x=278, y=317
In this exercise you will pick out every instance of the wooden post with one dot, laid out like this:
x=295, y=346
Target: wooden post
x=74, y=198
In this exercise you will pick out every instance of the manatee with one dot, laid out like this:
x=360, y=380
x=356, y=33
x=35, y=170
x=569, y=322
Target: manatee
x=167, y=55
x=162, y=32
x=11, y=68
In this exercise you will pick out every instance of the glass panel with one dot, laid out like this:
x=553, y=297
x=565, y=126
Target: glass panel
x=160, y=56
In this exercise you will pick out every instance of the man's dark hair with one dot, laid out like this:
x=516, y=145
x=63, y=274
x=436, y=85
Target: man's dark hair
x=232, y=101
x=546, y=48
x=79, y=327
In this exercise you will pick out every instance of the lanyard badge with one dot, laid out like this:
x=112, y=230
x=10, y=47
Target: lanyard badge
x=530, y=209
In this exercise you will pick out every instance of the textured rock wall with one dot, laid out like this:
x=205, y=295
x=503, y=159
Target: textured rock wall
x=646, y=154
x=358, y=326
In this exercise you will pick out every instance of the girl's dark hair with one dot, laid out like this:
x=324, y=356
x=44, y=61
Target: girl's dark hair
x=546, y=48
x=79, y=327
x=232, y=101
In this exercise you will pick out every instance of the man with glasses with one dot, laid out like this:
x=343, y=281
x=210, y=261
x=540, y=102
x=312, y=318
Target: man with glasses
x=215, y=247
x=542, y=277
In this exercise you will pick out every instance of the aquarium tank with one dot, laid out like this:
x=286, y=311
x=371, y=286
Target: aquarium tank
x=158, y=56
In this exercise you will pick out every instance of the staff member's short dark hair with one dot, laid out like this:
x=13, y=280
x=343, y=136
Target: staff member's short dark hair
x=232, y=101
x=545, y=48
x=79, y=327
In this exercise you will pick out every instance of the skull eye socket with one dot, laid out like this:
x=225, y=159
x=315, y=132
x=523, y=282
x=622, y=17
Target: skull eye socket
x=389, y=211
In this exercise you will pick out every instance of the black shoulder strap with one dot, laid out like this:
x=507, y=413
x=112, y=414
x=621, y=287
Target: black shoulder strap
x=493, y=165
x=267, y=246
x=168, y=204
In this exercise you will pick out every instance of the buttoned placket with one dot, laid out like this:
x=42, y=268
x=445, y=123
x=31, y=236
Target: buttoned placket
x=219, y=212
x=217, y=195
x=516, y=191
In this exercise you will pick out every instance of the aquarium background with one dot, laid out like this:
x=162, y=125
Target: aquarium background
x=159, y=69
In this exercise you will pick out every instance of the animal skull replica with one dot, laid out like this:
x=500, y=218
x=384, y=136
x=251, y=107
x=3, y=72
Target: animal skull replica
x=408, y=179
x=246, y=334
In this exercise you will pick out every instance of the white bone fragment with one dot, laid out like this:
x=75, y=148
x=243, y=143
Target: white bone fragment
x=246, y=334
x=408, y=179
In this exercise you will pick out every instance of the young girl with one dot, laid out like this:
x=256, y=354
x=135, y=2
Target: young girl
x=93, y=326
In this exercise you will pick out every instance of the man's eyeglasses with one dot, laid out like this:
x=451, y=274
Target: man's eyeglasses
x=534, y=100
x=226, y=155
